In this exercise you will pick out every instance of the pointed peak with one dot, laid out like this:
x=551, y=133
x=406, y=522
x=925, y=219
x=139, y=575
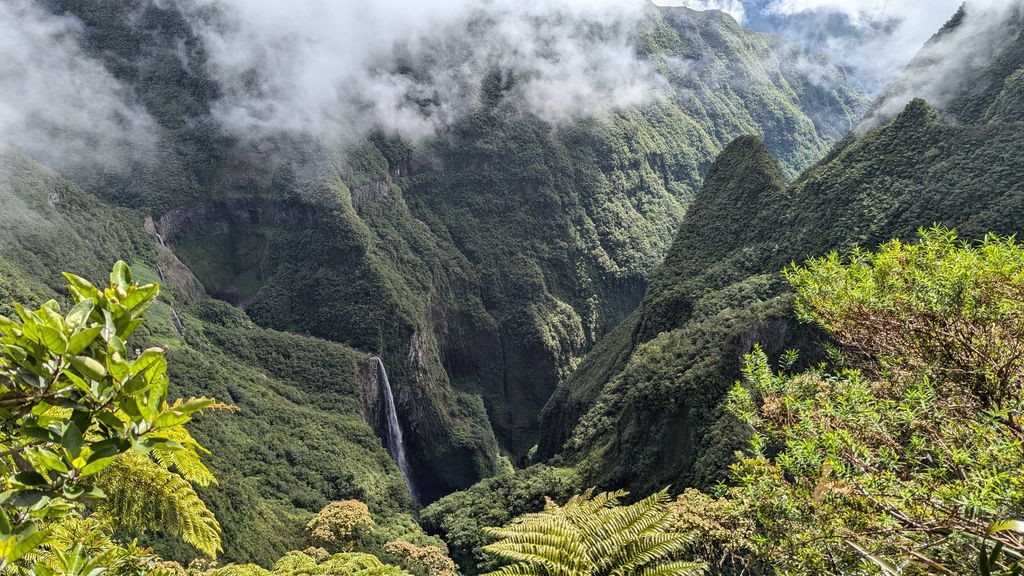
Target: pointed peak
x=918, y=112
x=744, y=164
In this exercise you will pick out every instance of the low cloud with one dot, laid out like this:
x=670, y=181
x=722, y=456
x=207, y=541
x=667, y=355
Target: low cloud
x=944, y=65
x=411, y=67
x=58, y=105
x=873, y=39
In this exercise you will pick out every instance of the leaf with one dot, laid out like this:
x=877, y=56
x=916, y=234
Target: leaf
x=79, y=314
x=73, y=440
x=1006, y=526
x=30, y=478
x=54, y=339
x=90, y=367
x=83, y=338
x=139, y=299
x=48, y=459
x=121, y=275
x=97, y=465
x=26, y=543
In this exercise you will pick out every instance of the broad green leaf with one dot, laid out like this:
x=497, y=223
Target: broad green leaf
x=83, y=338
x=30, y=478
x=139, y=299
x=26, y=543
x=73, y=440
x=54, y=339
x=1006, y=526
x=121, y=275
x=48, y=459
x=90, y=367
x=79, y=314
x=97, y=465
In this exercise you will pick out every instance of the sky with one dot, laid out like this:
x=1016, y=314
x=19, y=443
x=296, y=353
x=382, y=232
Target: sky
x=872, y=39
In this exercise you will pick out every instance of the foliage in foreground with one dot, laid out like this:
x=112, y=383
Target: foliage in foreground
x=594, y=535
x=906, y=458
x=460, y=517
x=83, y=417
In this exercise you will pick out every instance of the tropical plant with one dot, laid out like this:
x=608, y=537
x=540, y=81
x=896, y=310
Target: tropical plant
x=359, y=564
x=594, y=535
x=339, y=526
x=906, y=456
x=421, y=560
x=75, y=400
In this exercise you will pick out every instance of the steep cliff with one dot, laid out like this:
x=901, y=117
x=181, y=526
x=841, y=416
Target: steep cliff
x=644, y=410
x=482, y=263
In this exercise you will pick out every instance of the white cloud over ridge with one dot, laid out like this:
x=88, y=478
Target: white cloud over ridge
x=57, y=104
x=874, y=39
x=411, y=67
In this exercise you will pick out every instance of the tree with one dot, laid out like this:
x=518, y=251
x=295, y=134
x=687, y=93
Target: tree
x=339, y=526
x=594, y=535
x=906, y=455
x=421, y=560
x=76, y=403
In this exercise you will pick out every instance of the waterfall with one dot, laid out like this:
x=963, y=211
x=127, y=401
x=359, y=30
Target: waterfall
x=176, y=322
x=393, y=432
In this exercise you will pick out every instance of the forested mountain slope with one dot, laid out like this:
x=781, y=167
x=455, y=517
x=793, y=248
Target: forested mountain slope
x=480, y=264
x=297, y=439
x=644, y=410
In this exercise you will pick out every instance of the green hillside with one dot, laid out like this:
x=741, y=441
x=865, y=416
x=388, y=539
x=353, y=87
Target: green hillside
x=482, y=264
x=645, y=410
x=298, y=439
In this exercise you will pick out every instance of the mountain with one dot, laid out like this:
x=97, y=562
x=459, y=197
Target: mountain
x=645, y=408
x=297, y=439
x=481, y=264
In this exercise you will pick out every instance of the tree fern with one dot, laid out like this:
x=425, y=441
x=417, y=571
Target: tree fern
x=359, y=564
x=185, y=462
x=593, y=535
x=143, y=495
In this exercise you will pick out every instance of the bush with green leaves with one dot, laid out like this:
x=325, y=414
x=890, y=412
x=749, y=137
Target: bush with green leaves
x=905, y=456
x=83, y=415
x=595, y=535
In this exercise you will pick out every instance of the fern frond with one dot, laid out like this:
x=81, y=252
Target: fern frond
x=593, y=535
x=143, y=495
x=186, y=460
x=359, y=564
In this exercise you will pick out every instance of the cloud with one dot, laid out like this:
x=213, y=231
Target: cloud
x=734, y=8
x=411, y=67
x=58, y=105
x=947, y=64
x=873, y=39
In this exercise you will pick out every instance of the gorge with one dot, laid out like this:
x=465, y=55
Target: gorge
x=562, y=286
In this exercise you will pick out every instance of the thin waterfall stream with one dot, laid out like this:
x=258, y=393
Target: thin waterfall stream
x=393, y=432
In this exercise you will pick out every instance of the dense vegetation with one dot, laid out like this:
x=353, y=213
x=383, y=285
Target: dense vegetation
x=480, y=264
x=646, y=409
x=875, y=427
x=297, y=440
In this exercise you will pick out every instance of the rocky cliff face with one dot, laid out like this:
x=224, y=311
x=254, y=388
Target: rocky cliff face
x=482, y=263
x=645, y=409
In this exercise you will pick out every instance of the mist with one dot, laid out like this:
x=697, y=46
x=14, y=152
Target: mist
x=328, y=69
x=873, y=39
x=943, y=66
x=57, y=104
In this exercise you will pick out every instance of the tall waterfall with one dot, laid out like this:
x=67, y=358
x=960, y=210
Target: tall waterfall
x=393, y=432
